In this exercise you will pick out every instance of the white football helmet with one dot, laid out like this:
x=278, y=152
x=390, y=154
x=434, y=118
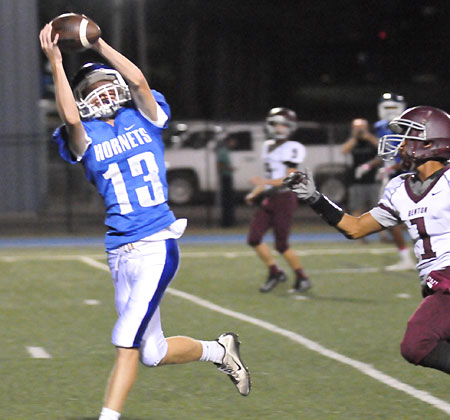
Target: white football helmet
x=390, y=106
x=105, y=100
x=281, y=116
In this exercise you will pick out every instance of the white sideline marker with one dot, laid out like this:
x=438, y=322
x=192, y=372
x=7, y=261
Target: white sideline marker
x=38, y=353
x=301, y=297
x=364, y=368
x=403, y=295
x=91, y=302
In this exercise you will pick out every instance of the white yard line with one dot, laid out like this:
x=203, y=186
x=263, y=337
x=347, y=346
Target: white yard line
x=301, y=253
x=356, y=270
x=93, y=262
x=362, y=367
x=203, y=254
x=95, y=257
x=68, y=257
x=38, y=353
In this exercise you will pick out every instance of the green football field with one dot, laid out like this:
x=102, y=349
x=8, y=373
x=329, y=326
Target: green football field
x=330, y=354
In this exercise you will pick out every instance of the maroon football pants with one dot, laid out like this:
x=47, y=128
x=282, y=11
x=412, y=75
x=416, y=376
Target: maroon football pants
x=276, y=211
x=428, y=325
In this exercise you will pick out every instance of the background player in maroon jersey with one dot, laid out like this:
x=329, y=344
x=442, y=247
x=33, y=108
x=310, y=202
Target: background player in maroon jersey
x=276, y=205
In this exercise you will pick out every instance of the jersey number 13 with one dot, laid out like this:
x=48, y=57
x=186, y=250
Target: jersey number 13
x=145, y=198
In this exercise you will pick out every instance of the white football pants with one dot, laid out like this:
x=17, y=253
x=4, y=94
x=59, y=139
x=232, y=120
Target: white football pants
x=141, y=272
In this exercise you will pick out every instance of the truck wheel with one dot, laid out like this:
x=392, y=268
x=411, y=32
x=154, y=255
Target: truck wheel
x=182, y=188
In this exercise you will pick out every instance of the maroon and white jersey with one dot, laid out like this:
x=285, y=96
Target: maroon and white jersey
x=426, y=215
x=276, y=158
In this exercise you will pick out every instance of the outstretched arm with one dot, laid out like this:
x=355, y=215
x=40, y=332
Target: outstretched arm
x=250, y=197
x=67, y=107
x=302, y=183
x=139, y=87
x=257, y=181
x=358, y=227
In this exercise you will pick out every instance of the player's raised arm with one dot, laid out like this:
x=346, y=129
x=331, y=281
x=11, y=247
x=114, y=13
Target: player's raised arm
x=139, y=87
x=65, y=101
x=302, y=183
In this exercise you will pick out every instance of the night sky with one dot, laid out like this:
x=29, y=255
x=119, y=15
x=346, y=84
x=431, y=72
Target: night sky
x=328, y=60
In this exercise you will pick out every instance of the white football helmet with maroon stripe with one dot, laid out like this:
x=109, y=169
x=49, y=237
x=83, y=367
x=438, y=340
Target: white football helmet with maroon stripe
x=281, y=123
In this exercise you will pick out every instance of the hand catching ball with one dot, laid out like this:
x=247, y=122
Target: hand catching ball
x=76, y=32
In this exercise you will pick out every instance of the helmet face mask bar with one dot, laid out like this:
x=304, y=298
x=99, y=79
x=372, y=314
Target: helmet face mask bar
x=106, y=99
x=275, y=132
x=390, y=144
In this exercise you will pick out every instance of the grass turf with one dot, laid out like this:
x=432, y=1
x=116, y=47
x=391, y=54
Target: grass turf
x=350, y=311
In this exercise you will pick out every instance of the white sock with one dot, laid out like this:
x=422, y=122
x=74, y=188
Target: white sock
x=404, y=254
x=212, y=352
x=108, y=414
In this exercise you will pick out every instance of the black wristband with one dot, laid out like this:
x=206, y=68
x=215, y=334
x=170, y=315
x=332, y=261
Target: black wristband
x=327, y=210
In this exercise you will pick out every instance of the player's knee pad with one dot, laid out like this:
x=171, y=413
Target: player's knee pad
x=152, y=352
x=281, y=245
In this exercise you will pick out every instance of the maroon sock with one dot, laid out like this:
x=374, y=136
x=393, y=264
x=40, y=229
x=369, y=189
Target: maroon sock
x=273, y=269
x=300, y=274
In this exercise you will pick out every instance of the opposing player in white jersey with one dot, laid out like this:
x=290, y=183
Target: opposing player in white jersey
x=276, y=205
x=113, y=123
x=421, y=200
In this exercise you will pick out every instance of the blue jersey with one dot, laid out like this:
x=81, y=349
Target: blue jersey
x=382, y=128
x=126, y=164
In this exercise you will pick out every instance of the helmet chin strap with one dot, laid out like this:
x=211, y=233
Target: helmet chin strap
x=104, y=112
x=416, y=163
x=281, y=139
x=109, y=114
x=408, y=164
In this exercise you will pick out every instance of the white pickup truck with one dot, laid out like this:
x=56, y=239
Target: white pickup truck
x=191, y=160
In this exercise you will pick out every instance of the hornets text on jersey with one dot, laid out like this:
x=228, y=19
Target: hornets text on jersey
x=126, y=164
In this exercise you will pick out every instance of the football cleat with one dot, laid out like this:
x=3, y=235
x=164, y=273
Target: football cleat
x=301, y=285
x=232, y=363
x=402, y=266
x=272, y=281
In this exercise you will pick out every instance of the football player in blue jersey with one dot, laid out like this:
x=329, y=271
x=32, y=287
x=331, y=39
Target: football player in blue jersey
x=112, y=124
x=390, y=106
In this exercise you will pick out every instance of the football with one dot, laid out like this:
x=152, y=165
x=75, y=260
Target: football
x=76, y=32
